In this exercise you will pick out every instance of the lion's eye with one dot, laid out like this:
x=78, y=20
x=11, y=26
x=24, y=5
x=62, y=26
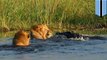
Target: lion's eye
x=47, y=32
x=28, y=36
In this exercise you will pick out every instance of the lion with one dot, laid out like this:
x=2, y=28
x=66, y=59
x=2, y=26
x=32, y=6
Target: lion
x=21, y=38
x=41, y=31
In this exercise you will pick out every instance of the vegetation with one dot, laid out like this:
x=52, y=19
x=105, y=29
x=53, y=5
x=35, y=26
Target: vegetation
x=59, y=15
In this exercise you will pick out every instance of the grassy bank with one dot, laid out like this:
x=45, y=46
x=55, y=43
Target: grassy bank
x=61, y=15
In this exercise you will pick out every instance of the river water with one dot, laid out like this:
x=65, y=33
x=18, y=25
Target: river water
x=55, y=48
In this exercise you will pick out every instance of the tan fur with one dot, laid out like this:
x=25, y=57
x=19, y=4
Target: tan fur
x=21, y=38
x=41, y=31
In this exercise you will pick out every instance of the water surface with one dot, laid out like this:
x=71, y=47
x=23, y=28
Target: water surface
x=55, y=48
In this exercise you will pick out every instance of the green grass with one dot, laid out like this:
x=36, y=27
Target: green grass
x=60, y=15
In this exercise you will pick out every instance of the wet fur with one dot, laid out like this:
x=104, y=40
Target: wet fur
x=41, y=31
x=21, y=38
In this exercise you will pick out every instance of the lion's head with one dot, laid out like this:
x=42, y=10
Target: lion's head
x=21, y=38
x=41, y=31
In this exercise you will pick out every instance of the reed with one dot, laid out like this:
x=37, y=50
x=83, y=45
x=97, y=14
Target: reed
x=64, y=15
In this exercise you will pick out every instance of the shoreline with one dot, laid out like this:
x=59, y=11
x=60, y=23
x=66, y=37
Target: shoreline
x=85, y=32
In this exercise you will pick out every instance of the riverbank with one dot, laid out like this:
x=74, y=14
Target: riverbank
x=60, y=15
x=102, y=31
